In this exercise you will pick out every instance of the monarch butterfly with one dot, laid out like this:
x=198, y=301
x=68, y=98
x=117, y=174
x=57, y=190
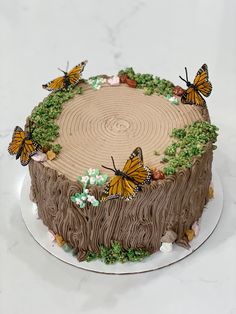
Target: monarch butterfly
x=126, y=183
x=70, y=78
x=200, y=84
x=22, y=146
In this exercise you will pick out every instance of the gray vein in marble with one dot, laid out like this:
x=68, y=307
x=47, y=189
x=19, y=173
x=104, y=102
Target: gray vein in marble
x=208, y=281
x=113, y=32
x=4, y=133
x=13, y=245
x=203, y=280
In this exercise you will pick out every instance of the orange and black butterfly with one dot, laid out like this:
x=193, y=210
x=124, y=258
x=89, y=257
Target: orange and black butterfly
x=200, y=85
x=126, y=183
x=69, y=78
x=22, y=146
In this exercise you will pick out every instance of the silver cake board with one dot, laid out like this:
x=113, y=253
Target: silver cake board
x=39, y=231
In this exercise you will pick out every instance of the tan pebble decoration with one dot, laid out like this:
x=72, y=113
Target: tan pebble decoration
x=51, y=155
x=169, y=237
x=158, y=175
x=59, y=240
x=210, y=192
x=190, y=234
x=183, y=243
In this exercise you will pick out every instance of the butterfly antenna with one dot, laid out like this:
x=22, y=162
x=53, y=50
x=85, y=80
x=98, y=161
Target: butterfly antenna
x=182, y=79
x=108, y=168
x=186, y=73
x=67, y=66
x=62, y=71
x=113, y=163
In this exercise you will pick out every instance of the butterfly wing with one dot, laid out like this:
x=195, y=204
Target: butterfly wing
x=129, y=189
x=17, y=139
x=22, y=146
x=201, y=81
x=74, y=74
x=29, y=149
x=136, y=174
x=56, y=84
x=192, y=97
x=135, y=169
x=119, y=187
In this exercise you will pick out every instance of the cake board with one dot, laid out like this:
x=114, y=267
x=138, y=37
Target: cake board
x=208, y=223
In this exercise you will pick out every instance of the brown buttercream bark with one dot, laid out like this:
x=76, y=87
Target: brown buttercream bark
x=170, y=204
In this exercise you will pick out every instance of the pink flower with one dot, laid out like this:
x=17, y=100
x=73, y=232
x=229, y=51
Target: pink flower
x=39, y=156
x=114, y=80
x=51, y=235
x=195, y=227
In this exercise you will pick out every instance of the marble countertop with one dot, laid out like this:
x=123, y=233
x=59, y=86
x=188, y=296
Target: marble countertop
x=159, y=37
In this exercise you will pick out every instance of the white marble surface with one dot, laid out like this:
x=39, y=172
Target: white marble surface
x=154, y=36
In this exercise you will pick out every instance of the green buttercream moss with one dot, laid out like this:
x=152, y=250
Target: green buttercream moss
x=156, y=153
x=149, y=83
x=44, y=129
x=79, y=90
x=56, y=148
x=117, y=254
x=189, y=143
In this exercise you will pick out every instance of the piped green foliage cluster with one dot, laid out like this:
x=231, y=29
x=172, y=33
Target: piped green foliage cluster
x=151, y=84
x=189, y=143
x=117, y=254
x=44, y=129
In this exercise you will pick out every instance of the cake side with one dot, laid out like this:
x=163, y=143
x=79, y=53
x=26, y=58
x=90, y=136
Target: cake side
x=171, y=204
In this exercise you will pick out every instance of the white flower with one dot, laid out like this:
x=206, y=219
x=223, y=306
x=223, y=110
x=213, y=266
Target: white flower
x=173, y=100
x=91, y=171
x=91, y=198
x=86, y=191
x=83, y=198
x=84, y=179
x=103, y=80
x=92, y=180
x=99, y=177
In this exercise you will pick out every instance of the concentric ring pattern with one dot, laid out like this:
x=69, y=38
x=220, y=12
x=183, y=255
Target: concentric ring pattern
x=112, y=121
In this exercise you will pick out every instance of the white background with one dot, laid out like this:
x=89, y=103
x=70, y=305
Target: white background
x=160, y=37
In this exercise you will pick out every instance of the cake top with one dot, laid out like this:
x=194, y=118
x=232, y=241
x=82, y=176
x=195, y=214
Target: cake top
x=113, y=120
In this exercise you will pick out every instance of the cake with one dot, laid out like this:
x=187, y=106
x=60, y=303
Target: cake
x=77, y=129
